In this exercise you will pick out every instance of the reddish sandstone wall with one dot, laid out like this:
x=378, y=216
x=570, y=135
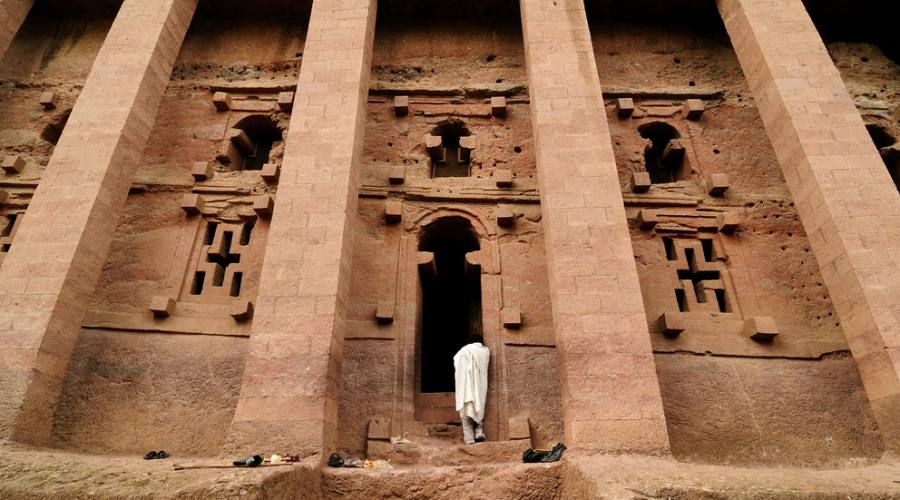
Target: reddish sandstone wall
x=727, y=398
x=137, y=382
x=448, y=68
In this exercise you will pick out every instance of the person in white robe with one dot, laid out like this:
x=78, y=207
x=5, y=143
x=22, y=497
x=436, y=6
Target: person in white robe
x=471, y=365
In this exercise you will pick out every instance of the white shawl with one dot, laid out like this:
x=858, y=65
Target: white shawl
x=471, y=365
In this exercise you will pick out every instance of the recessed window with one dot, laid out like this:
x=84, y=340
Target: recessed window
x=664, y=156
x=452, y=159
x=263, y=133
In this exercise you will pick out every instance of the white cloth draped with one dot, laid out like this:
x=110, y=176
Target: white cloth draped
x=471, y=365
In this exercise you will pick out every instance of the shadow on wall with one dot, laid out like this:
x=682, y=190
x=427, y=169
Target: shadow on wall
x=868, y=21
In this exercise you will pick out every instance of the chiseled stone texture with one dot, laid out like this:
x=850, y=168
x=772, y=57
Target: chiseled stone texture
x=12, y=15
x=291, y=381
x=50, y=273
x=845, y=197
x=610, y=391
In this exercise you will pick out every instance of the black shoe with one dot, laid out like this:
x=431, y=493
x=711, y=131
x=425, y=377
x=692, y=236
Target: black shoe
x=251, y=461
x=161, y=455
x=151, y=456
x=555, y=454
x=335, y=460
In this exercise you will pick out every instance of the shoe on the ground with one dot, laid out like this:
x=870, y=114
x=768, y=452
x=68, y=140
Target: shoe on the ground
x=555, y=454
x=335, y=460
x=251, y=461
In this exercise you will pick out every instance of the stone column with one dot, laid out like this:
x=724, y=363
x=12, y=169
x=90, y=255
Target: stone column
x=845, y=197
x=292, y=375
x=610, y=392
x=12, y=15
x=52, y=267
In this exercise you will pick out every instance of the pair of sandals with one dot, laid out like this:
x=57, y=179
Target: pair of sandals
x=156, y=455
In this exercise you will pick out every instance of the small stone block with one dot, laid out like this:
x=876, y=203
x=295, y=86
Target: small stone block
x=13, y=164
x=270, y=172
x=264, y=205
x=673, y=153
x=511, y=317
x=242, y=311
x=761, y=328
x=625, y=107
x=222, y=101
x=49, y=99
x=425, y=262
x=646, y=219
x=397, y=174
x=671, y=324
x=192, y=204
x=379, y=429
x=162, y=307
x=498, y=106
x=247, y=215
x=727, y=222
x=201, y=171
x=393, y=211
x=518, y=428
x=503, y=177
x=401, y=105
x=4, y=197
x=505, y=216
x=384, y=314
x=640, y=182
x=717, y=183
x=285, y=101
x=433, y=144
x=241, y=141
x=693, y=109
x=469, y=142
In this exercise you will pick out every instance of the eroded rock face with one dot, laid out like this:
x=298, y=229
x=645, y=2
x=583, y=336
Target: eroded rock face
x=873, y=80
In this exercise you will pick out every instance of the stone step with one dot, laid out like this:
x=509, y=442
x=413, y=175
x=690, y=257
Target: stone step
x=505, y=480
x=442, y=452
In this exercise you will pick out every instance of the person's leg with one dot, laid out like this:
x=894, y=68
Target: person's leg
x=468, y=429
x=479, y=432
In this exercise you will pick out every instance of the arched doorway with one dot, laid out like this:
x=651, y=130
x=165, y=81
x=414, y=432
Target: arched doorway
x=451, y=300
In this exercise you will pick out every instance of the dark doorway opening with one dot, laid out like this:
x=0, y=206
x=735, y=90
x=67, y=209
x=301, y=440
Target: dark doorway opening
x=664, y=156
x=451, y=300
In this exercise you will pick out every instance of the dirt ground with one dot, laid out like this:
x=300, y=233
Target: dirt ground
x=39, y=474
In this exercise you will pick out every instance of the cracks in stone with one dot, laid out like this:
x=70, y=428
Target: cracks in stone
x=838, y=354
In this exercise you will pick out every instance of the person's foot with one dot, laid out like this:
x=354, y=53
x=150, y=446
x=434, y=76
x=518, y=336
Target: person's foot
x=469, y=442
x=480, y=438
